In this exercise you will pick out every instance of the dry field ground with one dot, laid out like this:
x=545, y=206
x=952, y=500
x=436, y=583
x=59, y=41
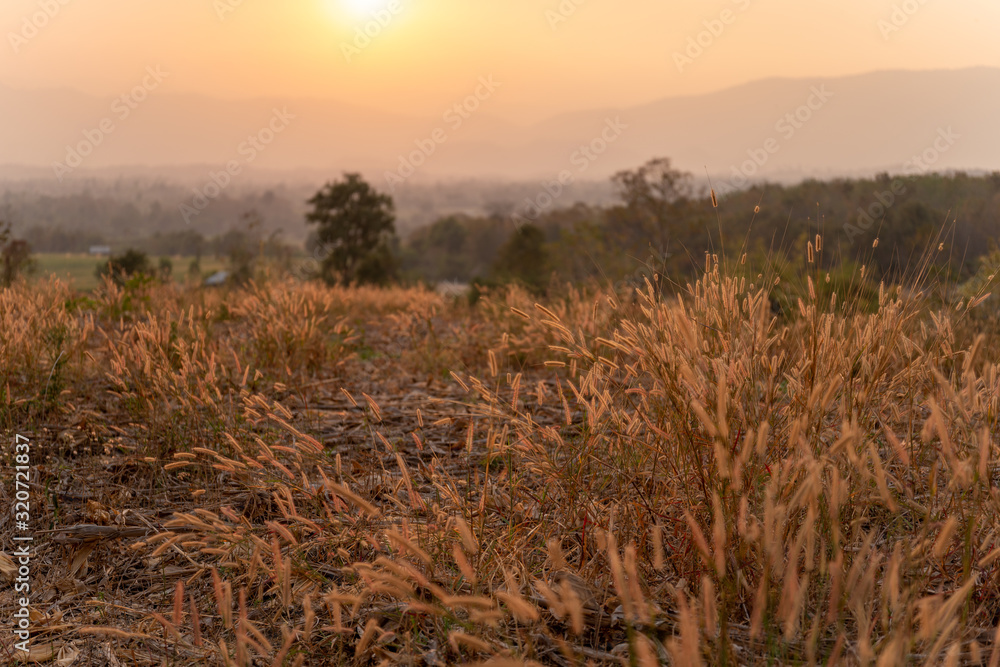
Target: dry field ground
x=290, y=474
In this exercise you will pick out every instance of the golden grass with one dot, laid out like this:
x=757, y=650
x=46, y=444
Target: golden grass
x=331, y=476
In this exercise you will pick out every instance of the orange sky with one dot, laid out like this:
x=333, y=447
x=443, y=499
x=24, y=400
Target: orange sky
x=431, y=52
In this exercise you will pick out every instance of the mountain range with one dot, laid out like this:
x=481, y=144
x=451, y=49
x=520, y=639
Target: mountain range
x=779, y=128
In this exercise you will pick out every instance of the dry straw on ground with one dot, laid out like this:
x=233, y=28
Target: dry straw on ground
x=291, y=474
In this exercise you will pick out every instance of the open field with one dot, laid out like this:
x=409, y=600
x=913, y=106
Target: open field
x=79, y=269
x=292, y=474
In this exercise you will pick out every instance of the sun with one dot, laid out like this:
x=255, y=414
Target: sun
x=359, y=7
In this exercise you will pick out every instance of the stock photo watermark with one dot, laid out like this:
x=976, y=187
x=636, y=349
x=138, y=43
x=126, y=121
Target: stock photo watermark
x=33, y=24
x=900, y=16
x=698, y=43
x=584, y=156
x=885, y=199
x=21, y=555
x=364, y=35
x=226, y=7
x=247, y=151
x=455, y=116
x=922, y=162
x=786, y=126
x=121, y=108
x=563, y=12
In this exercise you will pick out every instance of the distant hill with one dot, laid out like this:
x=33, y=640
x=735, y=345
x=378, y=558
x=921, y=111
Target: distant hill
x=867, y=123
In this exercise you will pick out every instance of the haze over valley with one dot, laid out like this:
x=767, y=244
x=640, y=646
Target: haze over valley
x=823, y=127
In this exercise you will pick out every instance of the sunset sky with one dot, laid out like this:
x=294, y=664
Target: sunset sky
x=594, y=53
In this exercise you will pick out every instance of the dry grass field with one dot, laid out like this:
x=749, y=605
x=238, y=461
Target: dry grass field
x=291, y=474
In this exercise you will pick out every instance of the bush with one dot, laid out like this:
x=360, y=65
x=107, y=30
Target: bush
x=127, y=265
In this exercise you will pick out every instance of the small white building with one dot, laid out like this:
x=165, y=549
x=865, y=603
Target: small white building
x=452, y=288
x=217, y=279
x=100, y=250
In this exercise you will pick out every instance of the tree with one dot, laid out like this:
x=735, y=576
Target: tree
x=438, y=252
x=356, y=230
x=166, y=269
x=16, y=257
x=652, y=195
x=241, y=248
x=524, y=258
x=909, y=227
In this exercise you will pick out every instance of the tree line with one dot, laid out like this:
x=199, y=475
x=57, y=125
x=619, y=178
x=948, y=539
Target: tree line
x=664, y=221
x=661, y=221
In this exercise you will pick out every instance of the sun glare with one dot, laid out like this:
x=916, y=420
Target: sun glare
x=360, y=7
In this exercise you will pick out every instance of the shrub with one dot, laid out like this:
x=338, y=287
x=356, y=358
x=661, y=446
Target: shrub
x=120, y=268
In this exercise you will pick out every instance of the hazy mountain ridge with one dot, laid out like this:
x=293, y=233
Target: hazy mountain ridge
x=866, y=123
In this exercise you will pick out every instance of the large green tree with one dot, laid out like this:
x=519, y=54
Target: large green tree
x=356, y=230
